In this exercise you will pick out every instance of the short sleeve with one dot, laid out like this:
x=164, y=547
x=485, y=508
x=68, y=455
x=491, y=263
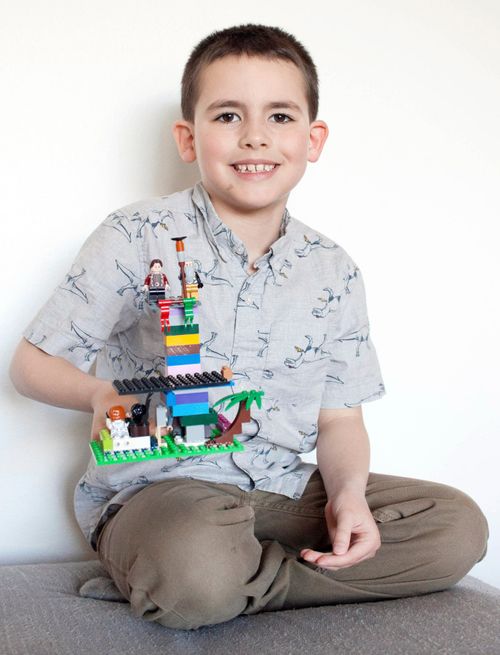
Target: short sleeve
x=353, y=375
x=99, y=296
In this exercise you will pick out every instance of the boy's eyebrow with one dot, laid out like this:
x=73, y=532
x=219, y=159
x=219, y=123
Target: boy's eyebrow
x=285, y=104
x=278, y=104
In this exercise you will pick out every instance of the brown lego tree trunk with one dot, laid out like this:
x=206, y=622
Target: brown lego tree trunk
x=227, y=437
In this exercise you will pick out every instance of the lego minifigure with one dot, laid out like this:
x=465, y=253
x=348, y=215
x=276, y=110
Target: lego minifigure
x=156, y=283
x=139, y=424
x=192, y=276
x=116, y=423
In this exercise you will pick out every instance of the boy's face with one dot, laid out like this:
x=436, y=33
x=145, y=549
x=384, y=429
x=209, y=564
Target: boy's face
x=251, y=134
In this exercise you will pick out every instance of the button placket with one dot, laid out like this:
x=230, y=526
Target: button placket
x=247, y=344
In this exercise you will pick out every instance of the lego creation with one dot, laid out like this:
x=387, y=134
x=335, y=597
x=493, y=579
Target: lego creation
x=186, y=425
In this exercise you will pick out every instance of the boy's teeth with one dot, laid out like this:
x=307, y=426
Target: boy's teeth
x=254, y=168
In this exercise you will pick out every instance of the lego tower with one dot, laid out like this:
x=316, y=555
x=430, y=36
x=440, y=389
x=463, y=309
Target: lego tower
x=179, y=320
x=186, y=425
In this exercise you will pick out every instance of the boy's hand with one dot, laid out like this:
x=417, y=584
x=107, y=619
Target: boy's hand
x=353, y=533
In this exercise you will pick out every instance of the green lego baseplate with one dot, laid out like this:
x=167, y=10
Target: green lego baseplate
x=162, y=452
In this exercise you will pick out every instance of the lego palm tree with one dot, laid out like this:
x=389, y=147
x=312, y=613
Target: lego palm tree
x=245, y=399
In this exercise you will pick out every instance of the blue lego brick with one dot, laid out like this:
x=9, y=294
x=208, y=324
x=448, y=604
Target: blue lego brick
x=183, y=360
x=186, y=397
x=190, y=410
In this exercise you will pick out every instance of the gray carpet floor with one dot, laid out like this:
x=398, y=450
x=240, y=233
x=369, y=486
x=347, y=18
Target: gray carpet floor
x=42, y=613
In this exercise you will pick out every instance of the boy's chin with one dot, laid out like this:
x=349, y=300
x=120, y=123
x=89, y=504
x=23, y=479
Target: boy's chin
x=249, y=203
x=247, y=198
x=259, y=194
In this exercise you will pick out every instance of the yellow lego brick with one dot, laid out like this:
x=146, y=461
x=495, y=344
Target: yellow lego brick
x=182, y=339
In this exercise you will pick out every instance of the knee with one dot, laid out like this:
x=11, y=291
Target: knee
x=463, y=534
x=195, y=574
x=204, y=596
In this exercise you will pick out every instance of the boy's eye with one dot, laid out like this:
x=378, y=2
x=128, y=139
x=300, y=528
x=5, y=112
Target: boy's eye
x=228, y=117
x=281, y=118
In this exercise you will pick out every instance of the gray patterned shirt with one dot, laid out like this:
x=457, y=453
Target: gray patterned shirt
x=296, y=328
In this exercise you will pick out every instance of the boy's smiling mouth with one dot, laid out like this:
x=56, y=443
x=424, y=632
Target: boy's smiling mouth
x=254, y=166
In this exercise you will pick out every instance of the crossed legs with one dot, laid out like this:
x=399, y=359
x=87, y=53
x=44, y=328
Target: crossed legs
x=188, y=553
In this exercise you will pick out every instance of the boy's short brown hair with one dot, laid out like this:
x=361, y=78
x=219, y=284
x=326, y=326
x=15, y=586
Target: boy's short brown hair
x=253, y=41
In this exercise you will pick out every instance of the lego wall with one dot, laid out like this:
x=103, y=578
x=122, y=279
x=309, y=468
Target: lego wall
x=408, y=184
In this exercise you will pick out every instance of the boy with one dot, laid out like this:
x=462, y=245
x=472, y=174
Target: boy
x=202, y=540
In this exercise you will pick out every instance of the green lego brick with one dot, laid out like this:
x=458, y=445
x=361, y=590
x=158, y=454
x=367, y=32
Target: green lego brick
x=107, y=442
x=170, y=450
x=182, y=329
x=199, y=419
x=189, y=305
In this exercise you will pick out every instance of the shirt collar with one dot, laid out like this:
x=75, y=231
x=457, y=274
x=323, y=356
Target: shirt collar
x=224, y=240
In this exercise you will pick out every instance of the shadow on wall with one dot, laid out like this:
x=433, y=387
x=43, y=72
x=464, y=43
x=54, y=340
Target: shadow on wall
x=150, y=154
x=38, y=476
x=53, y=453
x=178, y=175
x=163, y=172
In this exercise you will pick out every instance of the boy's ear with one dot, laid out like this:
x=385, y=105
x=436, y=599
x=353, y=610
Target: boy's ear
x=318, y=134
x=183, y=132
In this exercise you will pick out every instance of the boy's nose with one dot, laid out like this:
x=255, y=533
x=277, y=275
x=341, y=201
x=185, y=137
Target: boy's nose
x=255, y=136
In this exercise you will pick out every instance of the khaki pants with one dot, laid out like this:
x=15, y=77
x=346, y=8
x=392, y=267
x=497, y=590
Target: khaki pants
x=188, y=553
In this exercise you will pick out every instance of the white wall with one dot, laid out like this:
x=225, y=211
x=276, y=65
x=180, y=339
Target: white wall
x=411, y=92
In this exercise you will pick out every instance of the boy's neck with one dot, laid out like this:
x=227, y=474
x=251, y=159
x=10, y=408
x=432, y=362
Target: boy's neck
x=257, y=230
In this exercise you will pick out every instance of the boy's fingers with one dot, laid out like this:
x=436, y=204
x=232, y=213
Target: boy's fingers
x=97, y=426
x=355, y=554
x=342, y=536
x=333, y=565
x=312, y=555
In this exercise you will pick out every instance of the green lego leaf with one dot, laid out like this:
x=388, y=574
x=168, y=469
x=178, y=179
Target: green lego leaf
x=248, y=397
x=254, y=397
